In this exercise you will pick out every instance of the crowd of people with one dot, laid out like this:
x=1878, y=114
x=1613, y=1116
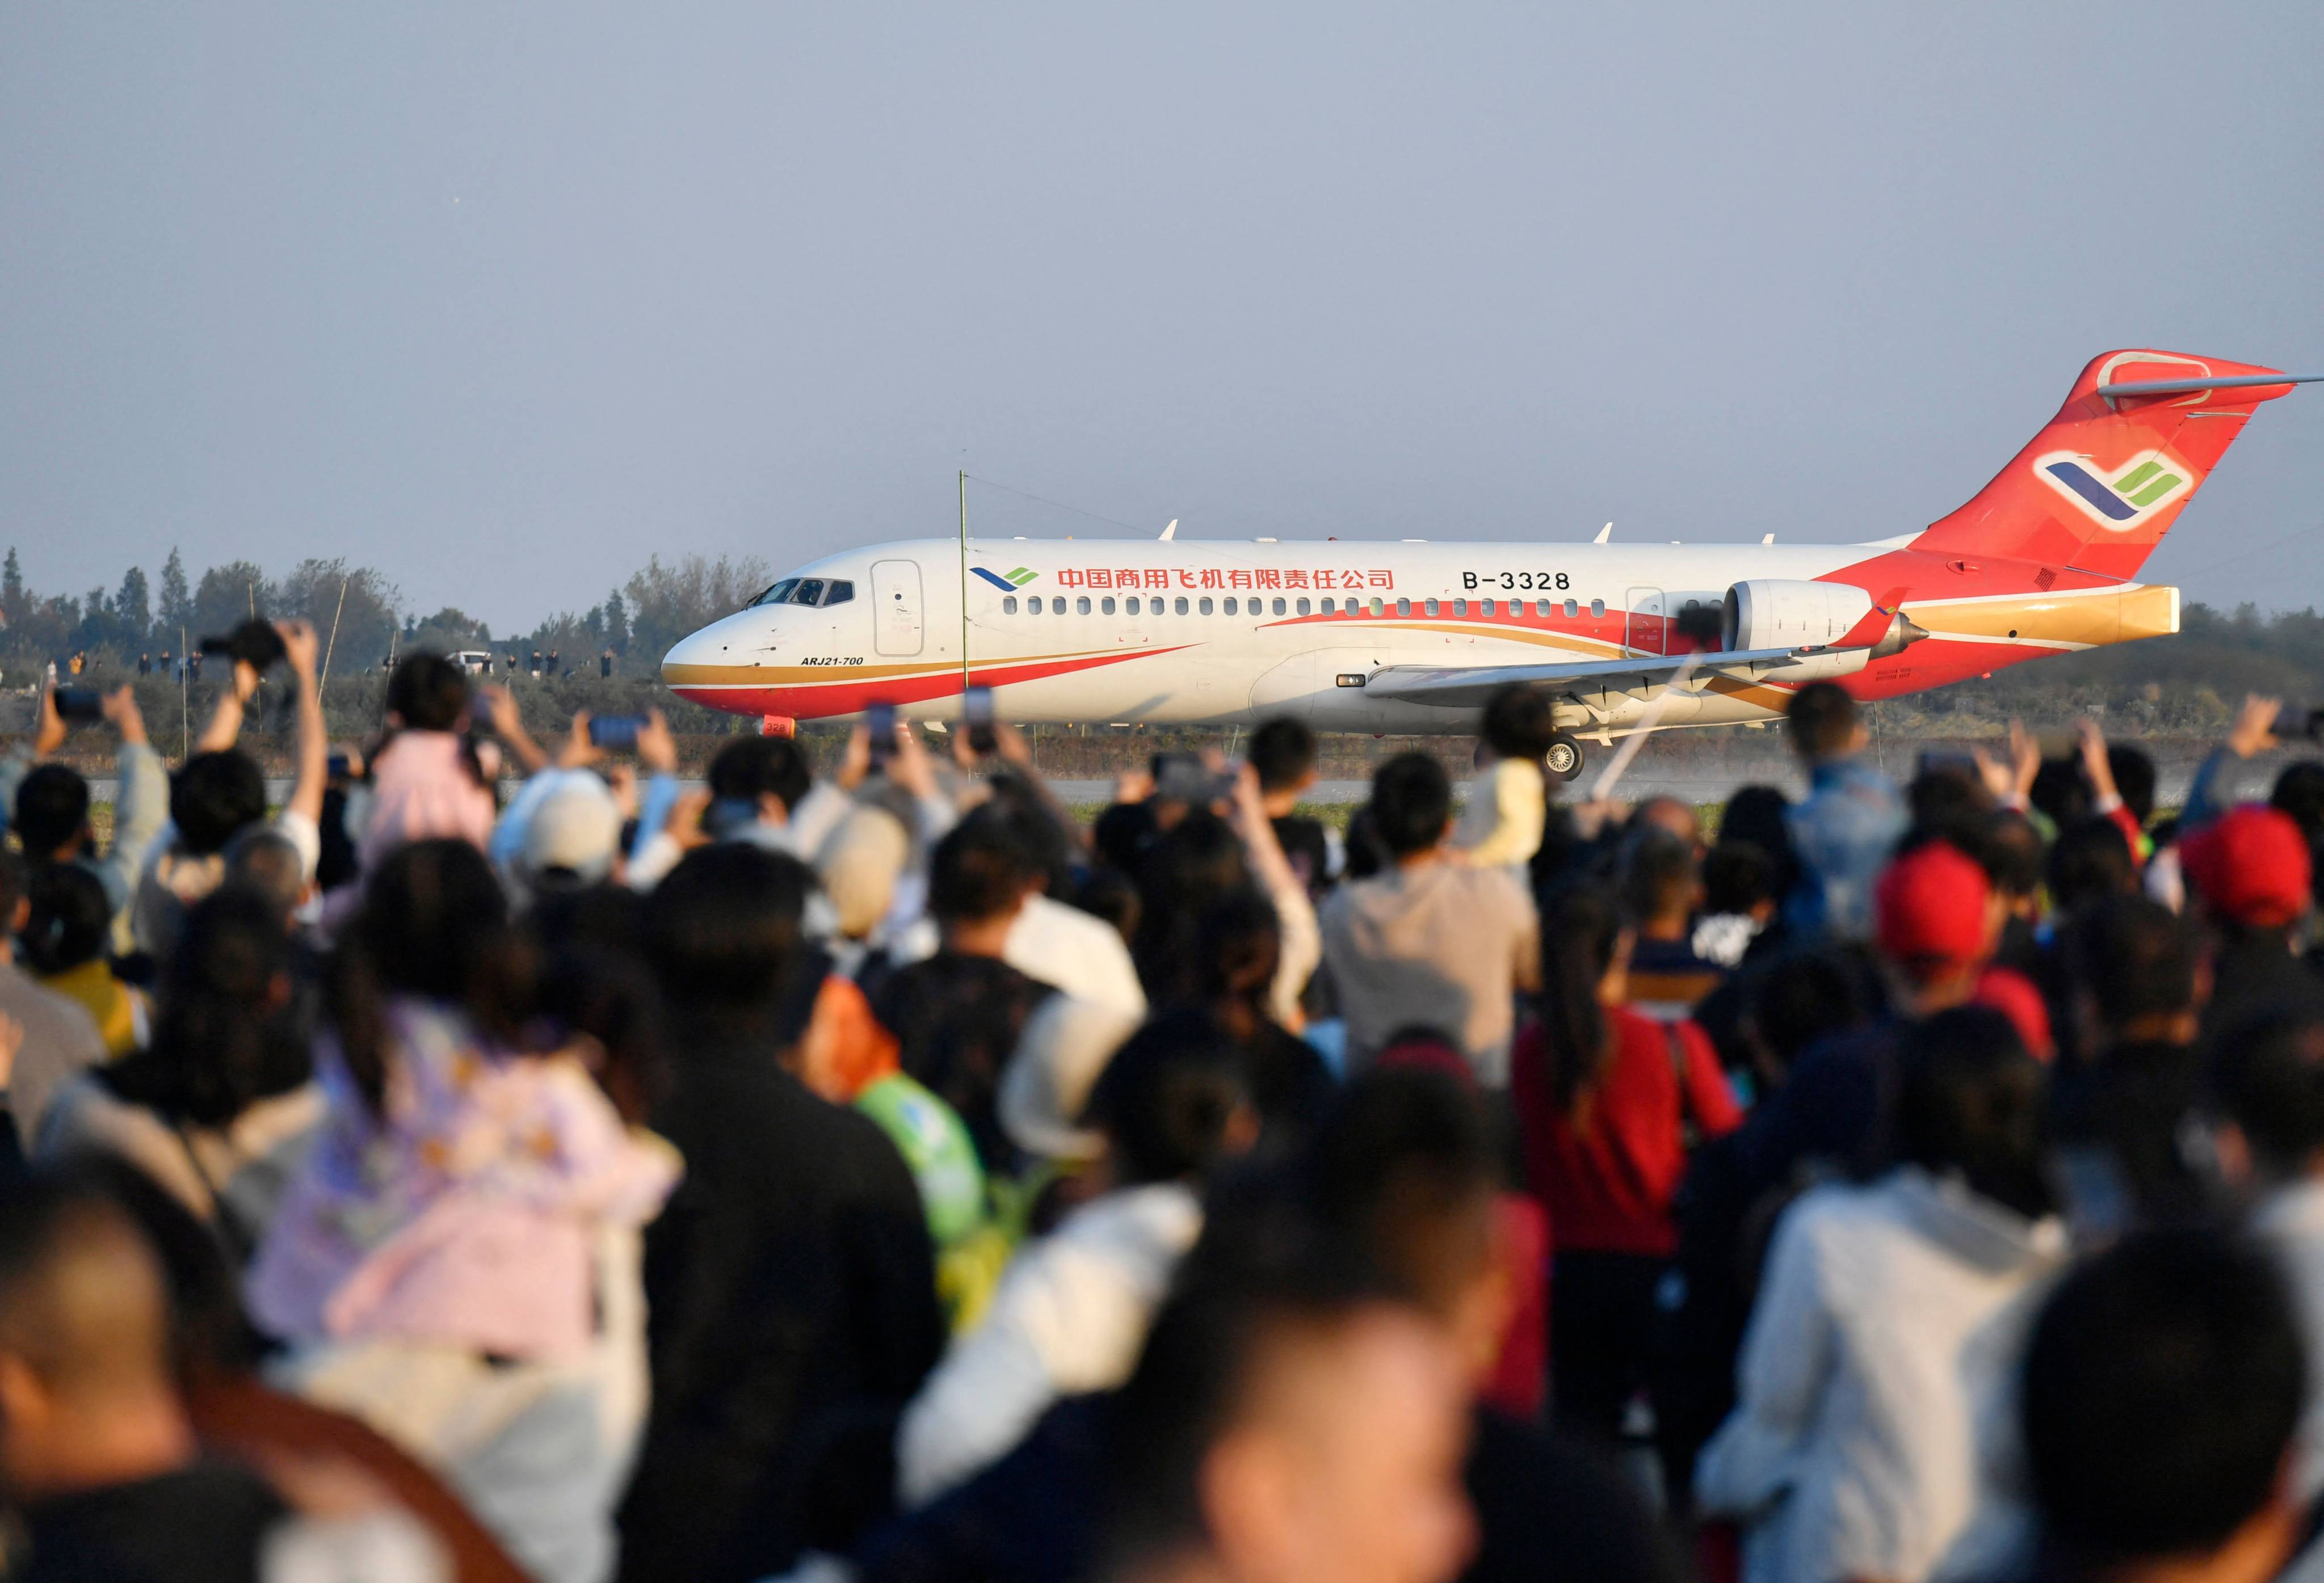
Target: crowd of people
x=503, y=1160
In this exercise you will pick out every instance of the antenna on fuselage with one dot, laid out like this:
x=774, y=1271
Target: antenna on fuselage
x=1171, y=531
x=1604, y=534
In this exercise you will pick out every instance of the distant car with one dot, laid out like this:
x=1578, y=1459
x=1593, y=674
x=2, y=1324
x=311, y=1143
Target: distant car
x=475, y=662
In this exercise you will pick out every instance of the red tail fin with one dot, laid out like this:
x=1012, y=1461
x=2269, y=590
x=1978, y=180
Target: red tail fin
x=2102, y=482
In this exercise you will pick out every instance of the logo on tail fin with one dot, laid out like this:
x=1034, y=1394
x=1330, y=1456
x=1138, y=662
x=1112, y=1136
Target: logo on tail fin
x=2119, y=498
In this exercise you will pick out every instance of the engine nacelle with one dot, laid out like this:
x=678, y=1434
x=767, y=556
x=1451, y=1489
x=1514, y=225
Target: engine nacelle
x=1774, y=612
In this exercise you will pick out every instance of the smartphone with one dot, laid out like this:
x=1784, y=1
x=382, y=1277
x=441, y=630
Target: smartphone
x=880, y=721
x=336, y=765
x=79, y=706
x=976, y=710
x=1939, y=762
x=614, y=731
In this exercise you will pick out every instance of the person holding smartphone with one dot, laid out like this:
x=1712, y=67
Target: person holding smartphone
x=48, y=804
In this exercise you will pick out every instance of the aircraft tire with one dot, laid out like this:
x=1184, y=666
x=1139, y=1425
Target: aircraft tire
x=1566, y=757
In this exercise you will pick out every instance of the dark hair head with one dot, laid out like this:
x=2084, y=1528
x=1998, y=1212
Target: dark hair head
x=1401, y=1161
x=1412, y=804
x=1518, y=722
x=51, y=809
x=1658, y=876
x=1821, y=721
x=723, y=929
x=434, y=925
x=2089, y=863
x=1170, y=1101
x=608, y=999
x=269, y=861
x=1107, y=893
x=1197, y=1375
x=979, y=869
x=1580, y=931
x=1737, y=877
x=2061, y=791
x=749, y=767
x=2134, y=778
x=2300, y=794
x=84, y=1302
x=1244, y=945
x=1283, y=752
x=1367, y=855
x=428, y=692
x=2267, y=1074
x=2162, y=1390
x=1799, y=999
x=231, y=1026
x=70, y=918
x=213, y=796
x=1185, y=872
x=1758, y=814
x=1943, y=793
x=2011, y=852
x=2136, y=958
x=1969, y=1103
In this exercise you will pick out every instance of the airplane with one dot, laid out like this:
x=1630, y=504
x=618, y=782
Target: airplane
x=1414, y=636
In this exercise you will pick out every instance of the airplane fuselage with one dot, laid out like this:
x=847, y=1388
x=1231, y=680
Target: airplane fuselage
x=1220, y=633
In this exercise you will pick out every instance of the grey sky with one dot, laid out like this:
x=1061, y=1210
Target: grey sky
x=501, y=299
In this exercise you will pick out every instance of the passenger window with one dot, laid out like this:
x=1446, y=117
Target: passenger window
x=1303, y=607
x=1204, y=606
x=1231, y=607
x=1082, y=604
x=810, y=591
x=1280, y=607
x=841, y=593
x=1597, y=607
x=1573, y=608
x=1182, y=604
x=1403, y=606
x=780, y=593
x=1008, y=604
x=1541, y=607
x=1484, y=607
x=1329, y=607
x=1034, y=604
x=1106, y=606
x=1133, y=604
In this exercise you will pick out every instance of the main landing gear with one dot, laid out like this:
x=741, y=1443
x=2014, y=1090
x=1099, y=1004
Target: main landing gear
x=1565, y=760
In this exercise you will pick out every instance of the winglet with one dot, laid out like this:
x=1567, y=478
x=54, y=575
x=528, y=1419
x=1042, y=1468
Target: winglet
x=1171, y=531
x=1604, y=534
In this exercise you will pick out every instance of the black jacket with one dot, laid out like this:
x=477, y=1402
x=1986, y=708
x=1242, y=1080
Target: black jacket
x=792, y=1313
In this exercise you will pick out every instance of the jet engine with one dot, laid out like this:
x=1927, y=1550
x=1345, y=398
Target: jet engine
x=1774, y=612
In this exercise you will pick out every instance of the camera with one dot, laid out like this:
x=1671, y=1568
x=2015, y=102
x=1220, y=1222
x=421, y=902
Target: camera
x=79, y=706
x=255, y=643
x=614, y=731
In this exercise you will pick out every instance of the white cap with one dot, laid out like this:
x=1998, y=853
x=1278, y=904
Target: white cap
x=1065, y=1044
x=576, y=827
x=859, y=864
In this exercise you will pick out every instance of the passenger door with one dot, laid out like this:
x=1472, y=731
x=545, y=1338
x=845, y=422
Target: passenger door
x=898, y=624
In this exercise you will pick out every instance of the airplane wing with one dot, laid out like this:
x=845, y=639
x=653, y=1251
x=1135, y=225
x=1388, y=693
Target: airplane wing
x=1638, y=677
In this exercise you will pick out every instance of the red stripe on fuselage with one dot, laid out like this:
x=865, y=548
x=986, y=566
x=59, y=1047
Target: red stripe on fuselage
x=821, y=700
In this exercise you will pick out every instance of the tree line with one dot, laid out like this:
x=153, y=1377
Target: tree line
x=359, y=610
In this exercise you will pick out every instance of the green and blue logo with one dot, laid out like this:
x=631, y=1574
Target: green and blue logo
x=2137, y=489
x=1009, y=583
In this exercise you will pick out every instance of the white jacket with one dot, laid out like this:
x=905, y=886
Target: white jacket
x=1079, y=953
x=1873, y=1434
x=1070, y=1316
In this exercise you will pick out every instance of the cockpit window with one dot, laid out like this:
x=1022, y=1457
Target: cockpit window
x=780, y=593
x=810, y=591
x=838, y=593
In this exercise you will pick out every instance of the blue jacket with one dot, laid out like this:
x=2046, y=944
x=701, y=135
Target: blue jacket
x=1843, y=835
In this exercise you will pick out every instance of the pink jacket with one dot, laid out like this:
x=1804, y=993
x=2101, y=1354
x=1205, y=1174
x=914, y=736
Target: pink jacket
x=467, y=1214
x=421, y=790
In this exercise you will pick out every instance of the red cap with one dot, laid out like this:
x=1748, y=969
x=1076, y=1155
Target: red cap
x=2252, y=866
x=1931, y=907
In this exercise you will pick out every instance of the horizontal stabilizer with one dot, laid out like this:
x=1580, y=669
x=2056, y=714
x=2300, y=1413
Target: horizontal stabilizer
x=2241, y=382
